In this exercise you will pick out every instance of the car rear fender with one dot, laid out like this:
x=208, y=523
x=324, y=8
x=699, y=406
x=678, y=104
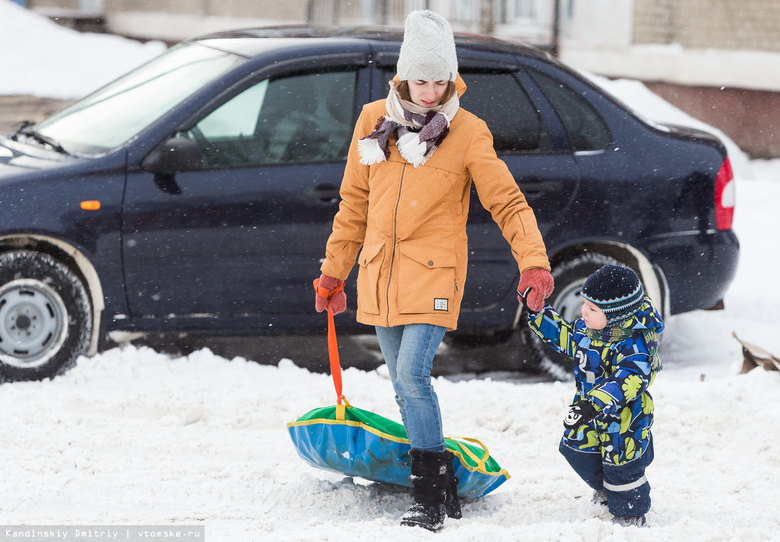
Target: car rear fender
x=76, y=260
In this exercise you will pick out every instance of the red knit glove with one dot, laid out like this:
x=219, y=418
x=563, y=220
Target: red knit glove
x=330, y=291
x=535, y=286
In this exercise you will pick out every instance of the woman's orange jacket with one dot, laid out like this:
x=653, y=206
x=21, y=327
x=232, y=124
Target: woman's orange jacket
x=409, y=224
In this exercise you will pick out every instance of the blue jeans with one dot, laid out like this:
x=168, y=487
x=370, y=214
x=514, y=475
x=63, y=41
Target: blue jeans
x=408, y=351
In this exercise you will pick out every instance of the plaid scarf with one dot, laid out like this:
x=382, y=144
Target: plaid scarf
x=418, y=130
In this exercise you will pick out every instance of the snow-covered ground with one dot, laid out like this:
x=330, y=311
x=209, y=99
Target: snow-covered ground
x=135, y=437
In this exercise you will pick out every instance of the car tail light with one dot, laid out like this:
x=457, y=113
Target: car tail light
x=725, y=195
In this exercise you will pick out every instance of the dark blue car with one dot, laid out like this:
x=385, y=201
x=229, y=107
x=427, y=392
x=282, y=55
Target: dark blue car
x=196, y=194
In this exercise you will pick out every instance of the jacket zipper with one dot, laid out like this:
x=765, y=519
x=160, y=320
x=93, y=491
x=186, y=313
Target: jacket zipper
x=395, y=237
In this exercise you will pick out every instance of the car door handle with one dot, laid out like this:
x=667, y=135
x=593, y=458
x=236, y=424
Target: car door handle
x=535, y=185
x=324, y=192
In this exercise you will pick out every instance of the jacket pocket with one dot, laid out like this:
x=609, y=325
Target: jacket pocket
x=370, y=262
x=426, y=280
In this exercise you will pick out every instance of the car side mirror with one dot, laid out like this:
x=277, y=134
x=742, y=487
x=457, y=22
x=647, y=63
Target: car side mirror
x=174, y=155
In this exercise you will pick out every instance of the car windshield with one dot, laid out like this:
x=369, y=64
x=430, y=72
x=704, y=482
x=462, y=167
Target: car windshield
x=111, y=116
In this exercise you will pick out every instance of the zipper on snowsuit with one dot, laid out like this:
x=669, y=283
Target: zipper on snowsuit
x=395, y=237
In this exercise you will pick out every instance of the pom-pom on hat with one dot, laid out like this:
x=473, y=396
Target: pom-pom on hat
x=616, y=290
x=428, y=49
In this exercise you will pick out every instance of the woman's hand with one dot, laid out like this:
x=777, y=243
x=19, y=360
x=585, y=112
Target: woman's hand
x=535, y=286
x=329, y=295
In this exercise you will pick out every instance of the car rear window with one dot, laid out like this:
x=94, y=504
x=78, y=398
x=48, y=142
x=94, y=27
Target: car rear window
x=585, y=128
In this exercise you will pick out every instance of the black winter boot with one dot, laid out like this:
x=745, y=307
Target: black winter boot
x=429, y=480
x=452, y=503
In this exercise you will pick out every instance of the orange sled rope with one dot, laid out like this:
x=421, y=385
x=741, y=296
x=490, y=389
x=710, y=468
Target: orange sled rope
x=333, y=347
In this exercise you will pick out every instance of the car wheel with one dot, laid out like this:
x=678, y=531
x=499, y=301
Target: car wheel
x=45, y=316
x=569, y=277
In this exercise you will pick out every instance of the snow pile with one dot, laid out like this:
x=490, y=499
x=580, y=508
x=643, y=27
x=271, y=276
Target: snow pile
x=41, y=58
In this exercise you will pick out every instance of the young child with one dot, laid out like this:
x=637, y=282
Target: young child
x=607, y=430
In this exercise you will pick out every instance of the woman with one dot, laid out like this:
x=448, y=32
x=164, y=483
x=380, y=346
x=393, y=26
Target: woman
x=405, y=200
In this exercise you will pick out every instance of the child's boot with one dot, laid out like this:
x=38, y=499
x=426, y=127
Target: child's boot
x=635, y=521
x=599, y=497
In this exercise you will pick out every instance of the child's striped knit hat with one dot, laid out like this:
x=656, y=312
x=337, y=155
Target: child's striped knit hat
x=616, y=290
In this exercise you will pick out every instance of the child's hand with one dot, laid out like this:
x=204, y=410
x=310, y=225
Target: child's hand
x=579, y=414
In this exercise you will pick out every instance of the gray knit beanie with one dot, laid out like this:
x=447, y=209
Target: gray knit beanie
x=428, y=50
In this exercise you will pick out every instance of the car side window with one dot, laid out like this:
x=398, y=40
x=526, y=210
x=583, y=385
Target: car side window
x=585, y=128
x=301, y=118
x=499, y=100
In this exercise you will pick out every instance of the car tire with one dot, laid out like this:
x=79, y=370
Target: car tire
x=45, y=316
x=569, y=278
